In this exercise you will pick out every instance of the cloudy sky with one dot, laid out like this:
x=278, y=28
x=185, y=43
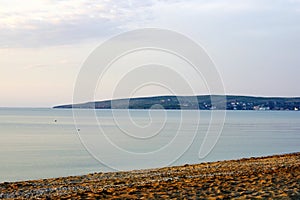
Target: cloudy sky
x=255, y=44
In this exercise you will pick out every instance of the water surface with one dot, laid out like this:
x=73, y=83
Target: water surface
x=43, y=143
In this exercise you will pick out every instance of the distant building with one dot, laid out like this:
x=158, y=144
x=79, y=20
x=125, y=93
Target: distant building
x=255, y=107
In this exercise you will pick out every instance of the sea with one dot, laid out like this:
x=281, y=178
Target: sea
x=38, y=143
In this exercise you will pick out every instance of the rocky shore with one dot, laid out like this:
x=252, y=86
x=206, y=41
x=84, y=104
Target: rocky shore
x=272, y=177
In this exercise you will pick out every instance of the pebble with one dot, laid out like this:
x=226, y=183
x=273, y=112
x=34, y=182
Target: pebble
x=273, y=177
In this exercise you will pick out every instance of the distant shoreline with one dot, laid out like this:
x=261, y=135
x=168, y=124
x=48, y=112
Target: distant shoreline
x=275, y=176
x=203, y=102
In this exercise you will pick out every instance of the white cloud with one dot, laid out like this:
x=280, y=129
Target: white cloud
x=18, y=13
x=38, y=23
x=34, y=23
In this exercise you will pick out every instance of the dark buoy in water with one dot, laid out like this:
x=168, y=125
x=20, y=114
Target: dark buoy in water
x=78, y=129
x=55, y=120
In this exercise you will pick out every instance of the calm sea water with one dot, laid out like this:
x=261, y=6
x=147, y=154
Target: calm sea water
x=43, y=143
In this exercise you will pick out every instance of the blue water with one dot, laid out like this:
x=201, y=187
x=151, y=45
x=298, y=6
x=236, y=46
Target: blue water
x=43, y=143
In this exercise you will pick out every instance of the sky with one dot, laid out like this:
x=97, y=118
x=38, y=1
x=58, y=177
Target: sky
x=255, y=44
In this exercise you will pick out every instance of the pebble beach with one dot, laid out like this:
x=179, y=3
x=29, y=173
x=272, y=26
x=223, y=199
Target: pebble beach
x=272, y=177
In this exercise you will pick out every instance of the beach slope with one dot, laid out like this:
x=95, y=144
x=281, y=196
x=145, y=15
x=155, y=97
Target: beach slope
x=273, y=177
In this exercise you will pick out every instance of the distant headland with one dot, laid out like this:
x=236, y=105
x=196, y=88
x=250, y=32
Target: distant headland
x=202, y=102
